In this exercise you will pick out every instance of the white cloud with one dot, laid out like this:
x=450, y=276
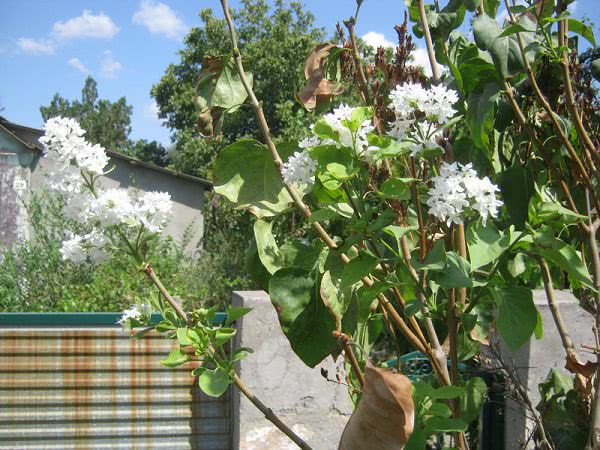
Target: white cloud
x=375, y=40
x=420, y=58
x=159, y=18
x=109, y=66
x=36, y=46
x=87, y=25
x=151, y=111
x=77, y=64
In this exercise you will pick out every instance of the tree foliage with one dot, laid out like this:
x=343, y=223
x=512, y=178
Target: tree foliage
x=275, y=41
x=106, y=123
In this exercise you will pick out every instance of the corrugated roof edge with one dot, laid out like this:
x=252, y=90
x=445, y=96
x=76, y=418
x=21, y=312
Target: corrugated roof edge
x=10, y=127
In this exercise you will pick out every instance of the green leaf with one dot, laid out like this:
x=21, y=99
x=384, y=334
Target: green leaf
x=577, y=27
x=214, y=382
x=303, y=316
x=358, y=117
x=457, y=272
x=335, y=297
x=268, y=250
x=505, y=51
x=515, y=28
x=323, y=214
x=439, y=410
x=323, y=130
x=442, y=424
x=220, y=85
x=244, y=173
x=358, y=268
x=473, y=400
x=387, y=217
x=595, y=68
x=182, y=337
x=397, y=188
x=229, y=91
x=176, y=358
x=564, y=256
x=398, y=231
x=539, y=327
x=446, y=392
x=255, y=268
x=234, y=313
x=481, y=113
x=517, y=265
x=241, y=353
x=516, y=186
x=296, y=253
x=516, y=315
x=485, y=244
x=435, y=259
x=339, y=171
x=543, y=212
x=223, y=335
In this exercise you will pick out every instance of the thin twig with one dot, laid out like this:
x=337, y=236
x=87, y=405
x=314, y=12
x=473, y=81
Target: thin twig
x=583, y=173
x=268, y=413
x=555, y=310
x=344, y=339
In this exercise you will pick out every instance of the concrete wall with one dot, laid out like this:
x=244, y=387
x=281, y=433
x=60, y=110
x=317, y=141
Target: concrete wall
x=315, y=408
x=15, y=176
x=536, y=358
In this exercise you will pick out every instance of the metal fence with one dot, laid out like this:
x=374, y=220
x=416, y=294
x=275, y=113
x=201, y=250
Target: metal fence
x=79, y=381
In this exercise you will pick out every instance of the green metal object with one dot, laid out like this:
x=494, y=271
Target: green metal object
x=416, y=365
x=74, y=319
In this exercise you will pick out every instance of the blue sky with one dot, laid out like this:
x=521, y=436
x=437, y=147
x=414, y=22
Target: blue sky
x=51, y=46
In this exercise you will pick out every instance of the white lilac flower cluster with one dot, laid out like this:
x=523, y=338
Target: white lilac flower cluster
x=65, y=145
x=458, y=190
x=136, y=313
x=410, y=102
x=299, y=168
x=76, y=164
x=81, y=247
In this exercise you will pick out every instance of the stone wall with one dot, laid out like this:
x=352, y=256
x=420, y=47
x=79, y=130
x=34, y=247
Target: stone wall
x=536, y=358
x=315, y=408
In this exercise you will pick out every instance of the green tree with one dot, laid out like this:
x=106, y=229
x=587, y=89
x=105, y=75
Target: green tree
x=150, y=151
x=275, y=41
x=106, y=123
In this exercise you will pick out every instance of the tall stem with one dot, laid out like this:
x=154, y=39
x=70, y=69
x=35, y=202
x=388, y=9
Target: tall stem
x=565, y=337
x=297, y=199
x=594, y=439
x=435, y=73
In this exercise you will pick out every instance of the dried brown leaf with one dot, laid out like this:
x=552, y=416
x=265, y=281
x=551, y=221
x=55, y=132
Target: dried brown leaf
x=584, y=374
x=317, y=88
x=384, y=418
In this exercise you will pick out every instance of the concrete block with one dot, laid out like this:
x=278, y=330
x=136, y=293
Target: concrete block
x=536, y=358
x=315, y=408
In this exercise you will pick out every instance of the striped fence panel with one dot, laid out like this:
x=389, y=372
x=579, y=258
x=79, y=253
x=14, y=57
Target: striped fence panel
x=92, y=387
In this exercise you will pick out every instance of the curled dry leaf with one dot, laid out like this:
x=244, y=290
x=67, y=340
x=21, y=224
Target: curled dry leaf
x=318, y=89
x=384, y=418
x=584, y=374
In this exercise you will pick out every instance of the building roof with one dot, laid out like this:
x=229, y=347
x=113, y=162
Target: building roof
x=30, y=138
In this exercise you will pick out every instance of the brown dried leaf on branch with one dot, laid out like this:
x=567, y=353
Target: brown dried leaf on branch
x=584, y=374
x=318, y=88
x=384, y=418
